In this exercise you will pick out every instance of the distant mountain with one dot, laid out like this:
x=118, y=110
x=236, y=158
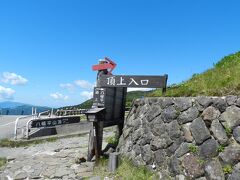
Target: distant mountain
x=10, y=104
x=85, y=105
x=16, y=108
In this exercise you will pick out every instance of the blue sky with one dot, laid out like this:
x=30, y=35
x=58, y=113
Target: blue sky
x=47, y=47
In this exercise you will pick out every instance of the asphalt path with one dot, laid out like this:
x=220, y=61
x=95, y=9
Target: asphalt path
x=7, y=125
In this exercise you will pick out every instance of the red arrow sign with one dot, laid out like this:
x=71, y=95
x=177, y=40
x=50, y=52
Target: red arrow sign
x=110, y=65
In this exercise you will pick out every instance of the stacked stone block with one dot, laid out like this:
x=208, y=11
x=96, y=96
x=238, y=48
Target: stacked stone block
x=185, y=137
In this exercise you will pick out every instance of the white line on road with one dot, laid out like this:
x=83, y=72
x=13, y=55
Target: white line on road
x=7, y=124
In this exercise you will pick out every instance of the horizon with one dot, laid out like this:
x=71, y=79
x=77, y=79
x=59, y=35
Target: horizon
x=47, y=48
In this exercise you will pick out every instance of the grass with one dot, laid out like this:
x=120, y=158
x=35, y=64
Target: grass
x=228, y=131
x=227, y=169
x=101, y=168
x=221, y=148
x=201, y=161
x=20, y=143
x=3, y=161
x=221, y=80
x=126, y=170
x=113, y=140
x=193, y=149
x=83, y=117
x=15, y=144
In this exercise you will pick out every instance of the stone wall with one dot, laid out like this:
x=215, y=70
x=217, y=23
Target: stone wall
x=185, y=137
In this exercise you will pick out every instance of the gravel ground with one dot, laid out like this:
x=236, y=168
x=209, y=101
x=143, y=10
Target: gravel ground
x=52, y=160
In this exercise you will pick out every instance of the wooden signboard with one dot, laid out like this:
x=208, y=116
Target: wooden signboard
x=111, y=95
x=115, y=106
x=113, y=100
x=112, y=91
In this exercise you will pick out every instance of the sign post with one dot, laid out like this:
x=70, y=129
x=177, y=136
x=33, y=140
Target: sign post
x=110, y=94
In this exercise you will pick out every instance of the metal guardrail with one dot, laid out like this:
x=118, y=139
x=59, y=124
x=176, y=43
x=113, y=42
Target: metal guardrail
x=17, y=121
x=49, y=113
x=27, y=128
x=35, y=115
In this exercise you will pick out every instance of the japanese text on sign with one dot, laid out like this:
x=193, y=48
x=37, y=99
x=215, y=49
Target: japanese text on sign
x=122, y=82
x=133, y=81
x=50, y=122
x=99, y=96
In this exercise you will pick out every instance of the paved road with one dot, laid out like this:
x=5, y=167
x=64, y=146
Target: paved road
x=7, y=124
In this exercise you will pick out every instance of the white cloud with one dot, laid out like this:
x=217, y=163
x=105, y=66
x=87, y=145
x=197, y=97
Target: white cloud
x=87, y=94
x=58, y=95
x=13, y=79
x=138, y=89
x=68, y=86
x=84, y=84
x=6, y=93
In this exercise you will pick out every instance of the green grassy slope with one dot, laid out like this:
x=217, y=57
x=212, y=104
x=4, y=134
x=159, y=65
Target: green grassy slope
x=85, y=105
x=136, y=94
x=223, y=79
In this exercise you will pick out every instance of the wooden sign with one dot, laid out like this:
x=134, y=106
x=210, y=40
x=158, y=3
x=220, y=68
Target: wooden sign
x=115, y=106
x=133, y=81
x=99, y=97
x=51, y=122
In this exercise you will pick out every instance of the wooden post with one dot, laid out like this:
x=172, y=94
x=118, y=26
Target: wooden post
x=96, y=142
x=96, y=116
x=164, y=90
x=100, y=136
x=91, y=144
